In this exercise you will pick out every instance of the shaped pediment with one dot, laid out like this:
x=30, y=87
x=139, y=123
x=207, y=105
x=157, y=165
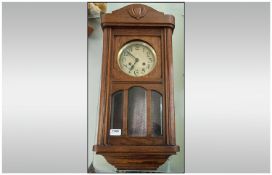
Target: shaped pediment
x=137, y=14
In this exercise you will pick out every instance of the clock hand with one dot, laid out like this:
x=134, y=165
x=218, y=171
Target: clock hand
x=131, y=55
x=132, y=67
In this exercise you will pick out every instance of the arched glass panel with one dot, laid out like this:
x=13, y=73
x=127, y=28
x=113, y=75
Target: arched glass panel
x=137, y=112
x=117, y=110
x=156, y=113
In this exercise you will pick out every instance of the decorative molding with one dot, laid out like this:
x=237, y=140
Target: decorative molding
x=137, y=15
x=137, y=12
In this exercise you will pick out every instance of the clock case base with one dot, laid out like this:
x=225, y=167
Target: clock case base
x=136, y=157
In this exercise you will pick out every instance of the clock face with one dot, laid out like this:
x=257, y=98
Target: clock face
x=137, y=58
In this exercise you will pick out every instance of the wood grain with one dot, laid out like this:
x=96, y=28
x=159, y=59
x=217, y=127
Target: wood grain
x=130, y=23
x=152, y=18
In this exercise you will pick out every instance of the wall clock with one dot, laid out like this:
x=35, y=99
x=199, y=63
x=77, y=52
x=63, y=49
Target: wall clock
x=136, y=129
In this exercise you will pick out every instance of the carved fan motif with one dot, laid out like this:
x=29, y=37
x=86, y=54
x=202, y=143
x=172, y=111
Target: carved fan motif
x=137, y=12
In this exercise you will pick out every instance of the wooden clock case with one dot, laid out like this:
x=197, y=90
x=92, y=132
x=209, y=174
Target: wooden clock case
x=143, y=23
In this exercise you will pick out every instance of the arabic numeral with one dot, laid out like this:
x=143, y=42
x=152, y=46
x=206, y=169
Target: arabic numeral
x=137, y=47
x=136, y=72
x=123, y=59
x=125, y=54
x=125, y=65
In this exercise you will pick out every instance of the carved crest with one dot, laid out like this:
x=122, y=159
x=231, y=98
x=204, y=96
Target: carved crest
x=137, y=12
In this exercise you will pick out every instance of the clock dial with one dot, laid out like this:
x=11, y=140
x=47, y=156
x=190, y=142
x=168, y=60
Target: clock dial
x=137, y=58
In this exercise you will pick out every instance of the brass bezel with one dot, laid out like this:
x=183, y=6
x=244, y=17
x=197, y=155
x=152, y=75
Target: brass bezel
x=143, y=44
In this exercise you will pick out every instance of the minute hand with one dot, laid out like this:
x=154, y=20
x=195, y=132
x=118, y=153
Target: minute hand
x=131, y=55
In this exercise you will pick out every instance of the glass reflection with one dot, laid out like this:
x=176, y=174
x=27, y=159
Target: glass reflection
x=117, y=110
x=137, y=112
x=156, y=113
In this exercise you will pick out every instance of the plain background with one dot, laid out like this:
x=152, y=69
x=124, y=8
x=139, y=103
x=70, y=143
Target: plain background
x=44, y=87
x=226, y=87
x=176, y=162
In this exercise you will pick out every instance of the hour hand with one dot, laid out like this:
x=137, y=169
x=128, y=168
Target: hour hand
x=132, y=67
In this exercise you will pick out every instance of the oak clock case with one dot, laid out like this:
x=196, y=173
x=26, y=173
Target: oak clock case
x=136, y=129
